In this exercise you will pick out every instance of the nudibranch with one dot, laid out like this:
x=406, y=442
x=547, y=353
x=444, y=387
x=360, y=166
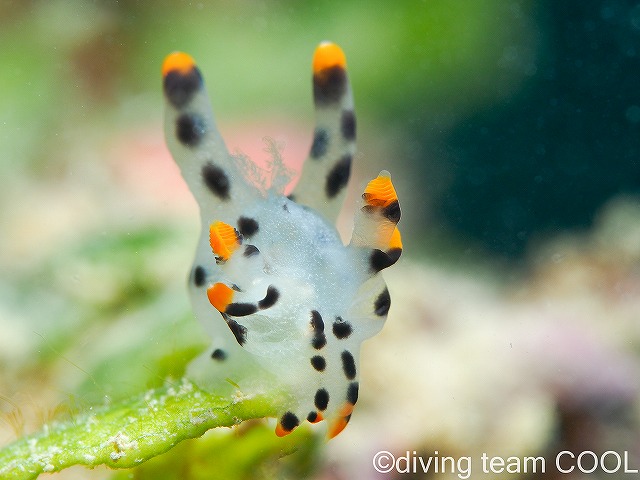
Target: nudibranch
x=272, y=281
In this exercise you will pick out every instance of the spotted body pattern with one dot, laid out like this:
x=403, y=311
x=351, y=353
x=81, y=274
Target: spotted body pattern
x=272, y=282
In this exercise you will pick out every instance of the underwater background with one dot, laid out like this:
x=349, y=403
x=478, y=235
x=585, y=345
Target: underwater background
x=512, y=130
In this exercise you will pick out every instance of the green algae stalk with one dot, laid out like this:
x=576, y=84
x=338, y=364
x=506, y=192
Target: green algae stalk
x=127, y=434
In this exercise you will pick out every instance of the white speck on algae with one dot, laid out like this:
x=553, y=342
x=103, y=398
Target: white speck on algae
x=121, y=443
x=198, y=416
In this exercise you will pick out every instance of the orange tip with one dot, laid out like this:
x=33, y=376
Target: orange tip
x=281, y=432
x=224, y=240
x=396, y=240
x=220, y=296
x=328, y=55
x=178, y=62
x=318, y=418
x=337, y=426
x=380, y=191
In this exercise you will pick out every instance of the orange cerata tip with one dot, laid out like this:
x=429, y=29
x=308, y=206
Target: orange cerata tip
x=337, y=426
x=220, y=296
x=328, y=55
x=224, y=239
x=396, y=239
x=380, y=191
x=178, y=61
x=281, y=432
x=319, y=417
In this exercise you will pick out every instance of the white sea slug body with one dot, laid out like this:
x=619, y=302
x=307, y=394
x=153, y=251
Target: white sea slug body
x=272, y=281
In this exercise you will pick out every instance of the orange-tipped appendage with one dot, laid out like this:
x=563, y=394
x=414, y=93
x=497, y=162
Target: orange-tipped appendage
x=380, y=191
x=328, y=55
x=224, y=240
x=396, y=240
x=338, y=424
x=178, y=62
x=220, y=296
x=319, y=417
x=281, y=432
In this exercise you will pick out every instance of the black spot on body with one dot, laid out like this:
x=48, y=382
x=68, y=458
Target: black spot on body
x=312, y=417
x=316, y=322
x=319, y=363
x=199, y=276
x=320, y=143
x=341, y=328
x=348, y=365
x=190, y=129
x=250, y=251
x=216, y=180
x=321, y=399
x=382, y=304
x=338, y=176
x=289, y=421
x=219, y=355
x=329, y=85
x=248, y=226
x=270, y=298
x=348, y=125
x=179, y=88
x=239, y=331
x=392, y=212
x=379, y=260
x=318, y=341
x=291, y=197
x=352, y=393
x=241, y=309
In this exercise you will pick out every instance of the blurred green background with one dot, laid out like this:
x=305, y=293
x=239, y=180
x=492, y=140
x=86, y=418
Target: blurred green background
x=511, y=129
